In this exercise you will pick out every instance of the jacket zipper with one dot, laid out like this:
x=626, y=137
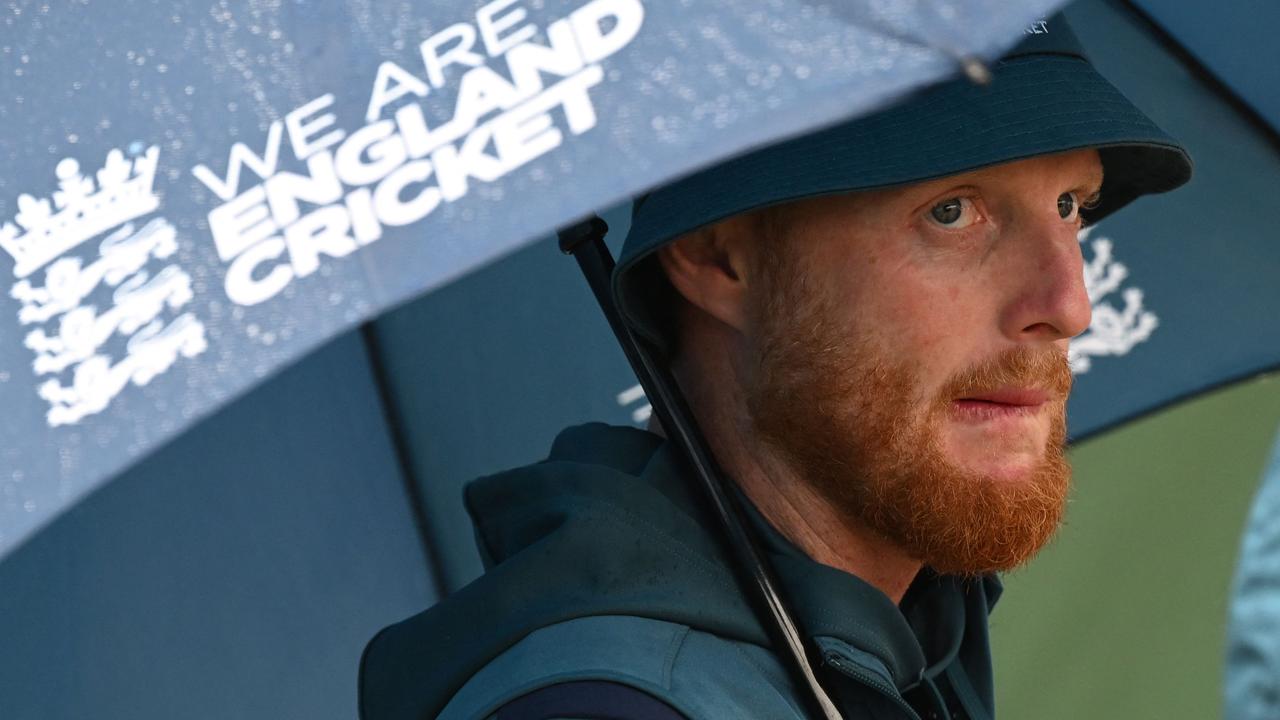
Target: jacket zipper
x=856, y=672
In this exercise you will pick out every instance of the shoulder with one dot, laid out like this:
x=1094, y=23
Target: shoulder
x=692, y=673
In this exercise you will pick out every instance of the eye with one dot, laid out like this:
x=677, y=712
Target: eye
x=1067, y=206
x=954, y=213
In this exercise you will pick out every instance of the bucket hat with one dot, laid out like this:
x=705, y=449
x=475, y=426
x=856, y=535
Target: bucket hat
x=1044, y=97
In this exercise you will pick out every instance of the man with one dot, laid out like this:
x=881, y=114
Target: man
x=870, y=324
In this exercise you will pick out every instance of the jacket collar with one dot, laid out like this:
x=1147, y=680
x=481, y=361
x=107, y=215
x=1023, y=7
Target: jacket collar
x=916, y=640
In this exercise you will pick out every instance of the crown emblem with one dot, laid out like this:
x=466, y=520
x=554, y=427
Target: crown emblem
x=80, y=209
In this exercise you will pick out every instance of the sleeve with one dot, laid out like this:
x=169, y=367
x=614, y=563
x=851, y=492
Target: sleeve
x=589, y=700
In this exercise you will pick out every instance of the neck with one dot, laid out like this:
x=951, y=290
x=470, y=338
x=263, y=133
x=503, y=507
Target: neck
x=712, y=384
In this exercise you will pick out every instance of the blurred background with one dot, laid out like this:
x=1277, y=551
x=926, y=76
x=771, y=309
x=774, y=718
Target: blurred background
x=239, y=571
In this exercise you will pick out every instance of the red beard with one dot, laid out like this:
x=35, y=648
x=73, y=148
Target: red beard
x=840, y=411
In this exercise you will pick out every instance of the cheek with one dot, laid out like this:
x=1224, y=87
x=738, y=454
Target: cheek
x=925, y=321
x=921, y=310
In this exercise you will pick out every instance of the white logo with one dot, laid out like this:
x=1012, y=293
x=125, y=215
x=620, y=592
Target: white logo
x=397, y=169
x=73, y=336
x=1112, y=331
x=640, y=408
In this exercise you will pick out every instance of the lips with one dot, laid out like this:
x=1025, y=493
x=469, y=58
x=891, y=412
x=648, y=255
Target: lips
x=1001, y=403
x=1018, y=397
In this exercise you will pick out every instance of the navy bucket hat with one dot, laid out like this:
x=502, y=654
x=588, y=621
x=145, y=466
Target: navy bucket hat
x=1044, y=97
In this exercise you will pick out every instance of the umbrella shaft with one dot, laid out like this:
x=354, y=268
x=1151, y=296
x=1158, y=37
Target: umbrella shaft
x=585, y=241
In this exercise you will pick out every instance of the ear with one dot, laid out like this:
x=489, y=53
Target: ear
x=709, y=268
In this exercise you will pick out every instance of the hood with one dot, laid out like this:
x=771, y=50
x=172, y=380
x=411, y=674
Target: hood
x=607, y=526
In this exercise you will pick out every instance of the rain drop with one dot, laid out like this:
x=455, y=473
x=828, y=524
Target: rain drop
x=73, y=138
x=190, y=90
x=29, y=506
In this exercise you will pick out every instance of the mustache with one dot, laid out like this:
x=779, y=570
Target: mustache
x=1044, y=369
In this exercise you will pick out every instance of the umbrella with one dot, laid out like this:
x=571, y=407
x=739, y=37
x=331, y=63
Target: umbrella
x=193, y=200
x=1176, y=286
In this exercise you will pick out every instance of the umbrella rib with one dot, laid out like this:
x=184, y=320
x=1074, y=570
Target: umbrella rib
x=400, y=448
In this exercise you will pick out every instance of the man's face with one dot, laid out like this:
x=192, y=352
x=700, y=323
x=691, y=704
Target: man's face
x=909, y=352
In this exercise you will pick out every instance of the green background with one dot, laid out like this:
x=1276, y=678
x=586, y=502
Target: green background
x=1124, y=614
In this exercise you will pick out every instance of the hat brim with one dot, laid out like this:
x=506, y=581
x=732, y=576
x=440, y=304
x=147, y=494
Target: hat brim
x=1035, y=105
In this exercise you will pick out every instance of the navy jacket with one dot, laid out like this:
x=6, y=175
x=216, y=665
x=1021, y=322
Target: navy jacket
x=601, y=569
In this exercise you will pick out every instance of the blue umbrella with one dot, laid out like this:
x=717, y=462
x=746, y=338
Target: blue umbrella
x=193, y=200
x=1179, y=283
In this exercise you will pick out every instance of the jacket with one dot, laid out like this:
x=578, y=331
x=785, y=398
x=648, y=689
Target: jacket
x=601, y=566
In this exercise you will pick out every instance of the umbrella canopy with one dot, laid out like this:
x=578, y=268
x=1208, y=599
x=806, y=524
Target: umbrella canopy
x=194, y=199
x=1178, y=283
x=490, y=394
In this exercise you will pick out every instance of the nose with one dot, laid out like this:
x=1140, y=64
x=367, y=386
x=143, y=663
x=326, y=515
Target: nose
x=1050, y=301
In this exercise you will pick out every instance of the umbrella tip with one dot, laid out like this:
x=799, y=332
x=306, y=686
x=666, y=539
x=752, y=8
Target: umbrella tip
x=976, y=70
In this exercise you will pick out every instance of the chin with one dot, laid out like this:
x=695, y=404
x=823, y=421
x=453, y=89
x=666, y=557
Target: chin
x=1002, y=457
x=1012, y=469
